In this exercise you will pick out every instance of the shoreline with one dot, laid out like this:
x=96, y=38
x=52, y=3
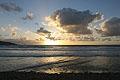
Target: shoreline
x=62, y=76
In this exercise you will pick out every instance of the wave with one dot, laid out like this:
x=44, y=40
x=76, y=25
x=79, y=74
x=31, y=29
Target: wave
x=82, y=55
x=62, y=49
x=58, y=51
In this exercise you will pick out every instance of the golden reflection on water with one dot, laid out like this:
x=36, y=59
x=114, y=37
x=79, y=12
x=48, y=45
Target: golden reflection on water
x=63, y=64
x=77, y=64
x=57, y=64
x=57, y=59
x=52, y=59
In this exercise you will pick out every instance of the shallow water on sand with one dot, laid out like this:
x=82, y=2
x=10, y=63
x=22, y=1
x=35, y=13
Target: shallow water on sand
x=60, y=59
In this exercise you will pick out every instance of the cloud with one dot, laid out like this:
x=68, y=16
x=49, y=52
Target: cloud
x=29, y=16
x=1, y=36
x=12, y=28
x=107, y=39
x=73, y=21
x=28, y=31
x=45, y=33
x=83, y=38
x=90, y=38
x=41, y=30
x=2, y=29
x=37, y=23
x=23, y=38
x=110, y=27
x=9, y=7
x=39, y=39
x=9, y=25
x=50, y=38
x=13, y=34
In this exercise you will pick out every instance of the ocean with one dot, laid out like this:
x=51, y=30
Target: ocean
x=60, y=59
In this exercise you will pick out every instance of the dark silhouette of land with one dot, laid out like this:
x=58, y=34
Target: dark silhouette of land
x=6, y=43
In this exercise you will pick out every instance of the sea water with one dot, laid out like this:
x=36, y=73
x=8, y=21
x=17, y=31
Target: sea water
x=60, y=59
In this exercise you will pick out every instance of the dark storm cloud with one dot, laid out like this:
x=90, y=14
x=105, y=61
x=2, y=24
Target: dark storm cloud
x=41, y=30
x=10, y=7
x=110, y=27
x=29, y=16
x=45, y=33
x=37, y=23
x=73, y=21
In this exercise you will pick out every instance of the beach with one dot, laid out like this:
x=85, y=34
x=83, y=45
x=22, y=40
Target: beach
x=63, y=76
x=59, y=62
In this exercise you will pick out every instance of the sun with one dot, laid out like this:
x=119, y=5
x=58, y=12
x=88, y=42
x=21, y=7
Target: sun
x=51, y=42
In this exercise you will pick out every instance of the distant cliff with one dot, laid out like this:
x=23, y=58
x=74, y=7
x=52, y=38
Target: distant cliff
x=6, y=43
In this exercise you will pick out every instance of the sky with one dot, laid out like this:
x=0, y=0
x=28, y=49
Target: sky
x=60, y=22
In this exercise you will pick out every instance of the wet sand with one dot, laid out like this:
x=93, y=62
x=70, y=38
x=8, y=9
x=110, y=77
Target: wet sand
x=63, y=76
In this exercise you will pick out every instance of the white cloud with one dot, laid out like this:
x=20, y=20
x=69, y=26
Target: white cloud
x=23, y=38
x=27, y=32
x=1, y=36
x=2, y=29
x=13, y=28
x=9, y=25
x=13, y=34
x=29, y=16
